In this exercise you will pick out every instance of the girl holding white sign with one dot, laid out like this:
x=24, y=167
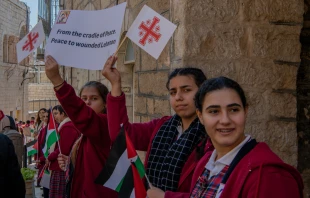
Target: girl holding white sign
x=90, y=151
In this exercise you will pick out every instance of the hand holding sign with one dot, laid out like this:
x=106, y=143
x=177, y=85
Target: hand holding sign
x=52, y=71
x=113, y=75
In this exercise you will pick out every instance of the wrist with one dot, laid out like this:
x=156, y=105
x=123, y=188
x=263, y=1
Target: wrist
x=116, y=90
x=57, y=81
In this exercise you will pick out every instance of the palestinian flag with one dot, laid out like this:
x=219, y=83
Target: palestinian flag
x=123, y=171
x=51, y=135
x=32, y=148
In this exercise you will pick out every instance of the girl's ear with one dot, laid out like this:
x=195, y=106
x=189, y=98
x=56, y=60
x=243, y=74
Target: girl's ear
x=199, y=114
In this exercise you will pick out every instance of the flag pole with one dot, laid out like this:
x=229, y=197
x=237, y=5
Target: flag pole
x=120, y=45
x=148, y=181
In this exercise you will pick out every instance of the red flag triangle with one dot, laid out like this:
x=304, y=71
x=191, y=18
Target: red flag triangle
x=131, y=151
x=138, y=184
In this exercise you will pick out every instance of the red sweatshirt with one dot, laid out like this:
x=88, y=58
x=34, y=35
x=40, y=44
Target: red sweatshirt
x=94, y=147
x=40, y=155
x=68, y=135
x=259, y=174
x=142, y=135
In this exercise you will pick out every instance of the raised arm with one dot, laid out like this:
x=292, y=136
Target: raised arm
x=94, y=126
x=140, y=133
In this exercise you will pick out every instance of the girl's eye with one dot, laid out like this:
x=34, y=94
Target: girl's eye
x=234, y=110
x=214, y=111
x=172, y=93
x=84, y=99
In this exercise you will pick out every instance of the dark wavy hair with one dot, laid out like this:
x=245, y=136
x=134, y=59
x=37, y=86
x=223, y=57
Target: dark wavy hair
x=101, y=88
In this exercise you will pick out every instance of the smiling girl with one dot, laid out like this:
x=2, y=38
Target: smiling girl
x=239, y=166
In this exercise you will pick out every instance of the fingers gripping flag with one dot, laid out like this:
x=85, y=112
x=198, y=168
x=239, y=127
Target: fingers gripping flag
x=123, y=171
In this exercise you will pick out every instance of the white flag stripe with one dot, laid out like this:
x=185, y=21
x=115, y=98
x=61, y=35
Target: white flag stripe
x=32, y=45
x=119, y=171
x=159, y=26
x=133, y=195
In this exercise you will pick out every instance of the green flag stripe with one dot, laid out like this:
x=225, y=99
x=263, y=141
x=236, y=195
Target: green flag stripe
x=140, y=167
x=51, y=139
x=31, y=152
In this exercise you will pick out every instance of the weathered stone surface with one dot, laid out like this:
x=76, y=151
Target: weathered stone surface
x=141, y=108
x=148, y=63
x=220, y=41
x=276, y=42
x=159, y=6
x=153, y=83
x=282, y=104
x=266, y=74
x=257, y=106
x=133, y=3
x=215, y=11
x=280, y=136
x=273, y=10
x=150, y=105
x=162, y=107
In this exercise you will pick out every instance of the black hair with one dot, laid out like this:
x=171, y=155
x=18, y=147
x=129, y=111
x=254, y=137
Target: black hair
x=60, y=109
x=28, y=121
x=196, y=73
x=102, y=89
x=12, y=123
x=217, y=84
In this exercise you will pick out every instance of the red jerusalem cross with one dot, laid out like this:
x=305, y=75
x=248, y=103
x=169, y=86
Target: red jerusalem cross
x=149, y=31
x=32, y=39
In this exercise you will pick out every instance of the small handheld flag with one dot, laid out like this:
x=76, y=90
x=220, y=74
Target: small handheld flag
x=51, y=135
x=123, y=171
x=30, y=42
x=151, y=31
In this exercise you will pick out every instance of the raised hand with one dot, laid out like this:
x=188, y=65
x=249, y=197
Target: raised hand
x=113, y=75
x=52, y=71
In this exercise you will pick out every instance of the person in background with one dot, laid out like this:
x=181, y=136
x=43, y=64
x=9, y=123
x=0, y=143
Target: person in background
x=39, y=124
x=68, y=135
x=12, y=181
x=14, y=136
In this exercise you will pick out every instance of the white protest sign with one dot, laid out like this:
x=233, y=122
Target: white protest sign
x=85, y=39
x=30, y=42
x=151, y=31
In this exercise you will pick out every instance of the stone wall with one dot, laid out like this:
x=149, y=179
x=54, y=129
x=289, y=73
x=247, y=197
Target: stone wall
x=13, y=87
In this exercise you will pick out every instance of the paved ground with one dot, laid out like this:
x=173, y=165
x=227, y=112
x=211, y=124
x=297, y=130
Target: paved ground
x=38, y=192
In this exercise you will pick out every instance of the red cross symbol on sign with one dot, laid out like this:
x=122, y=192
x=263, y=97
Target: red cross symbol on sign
x=149, y=31
x=32, y=39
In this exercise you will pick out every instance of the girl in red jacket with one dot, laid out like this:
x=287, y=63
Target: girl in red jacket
x=89, y=153
x=239, y=166
x=171, y=142
x=68, y=134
